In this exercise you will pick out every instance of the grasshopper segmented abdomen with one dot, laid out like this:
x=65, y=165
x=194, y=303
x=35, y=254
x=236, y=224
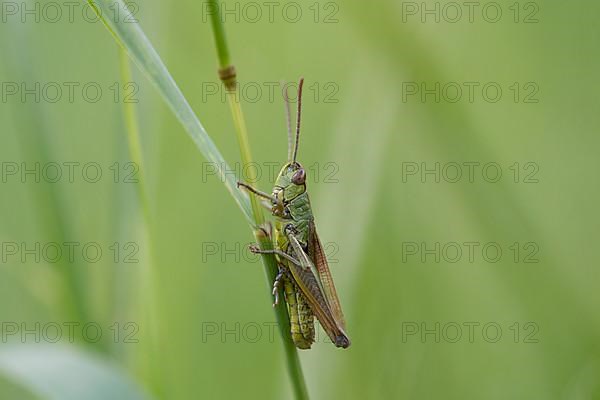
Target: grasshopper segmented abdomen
x=301, y=317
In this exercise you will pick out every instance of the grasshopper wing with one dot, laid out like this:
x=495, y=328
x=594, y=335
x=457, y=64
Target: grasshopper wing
x=311, y=288
x=317, y=255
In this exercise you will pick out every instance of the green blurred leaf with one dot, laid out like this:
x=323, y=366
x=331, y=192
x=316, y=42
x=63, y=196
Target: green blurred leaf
x=131, y=37
x=65, y=373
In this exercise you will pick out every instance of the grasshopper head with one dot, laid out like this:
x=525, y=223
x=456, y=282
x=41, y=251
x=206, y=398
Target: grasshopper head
x=291, y=182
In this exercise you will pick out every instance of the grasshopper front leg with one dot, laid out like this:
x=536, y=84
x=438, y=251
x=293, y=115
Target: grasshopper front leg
x=281, y=274
x=267, y=200
x=257, y=250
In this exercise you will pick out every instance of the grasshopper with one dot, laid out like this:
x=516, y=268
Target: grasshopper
x=303, y=270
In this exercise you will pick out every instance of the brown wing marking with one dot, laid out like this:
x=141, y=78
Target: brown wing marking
x=317, y=255
x=311, y=290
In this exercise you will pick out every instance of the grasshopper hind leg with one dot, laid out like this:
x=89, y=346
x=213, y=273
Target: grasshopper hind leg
x=301, y=318
x=307, y=319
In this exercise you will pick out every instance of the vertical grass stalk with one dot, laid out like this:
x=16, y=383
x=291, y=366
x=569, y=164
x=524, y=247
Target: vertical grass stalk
x=227, y=74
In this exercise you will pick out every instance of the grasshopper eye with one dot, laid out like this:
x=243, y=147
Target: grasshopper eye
x=299, y=177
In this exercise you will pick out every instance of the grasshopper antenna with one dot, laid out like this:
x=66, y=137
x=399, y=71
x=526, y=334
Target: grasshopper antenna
x=289, y=119
x=300, y=84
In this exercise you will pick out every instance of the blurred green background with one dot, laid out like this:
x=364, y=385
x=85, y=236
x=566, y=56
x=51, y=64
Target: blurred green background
x=190, y=316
